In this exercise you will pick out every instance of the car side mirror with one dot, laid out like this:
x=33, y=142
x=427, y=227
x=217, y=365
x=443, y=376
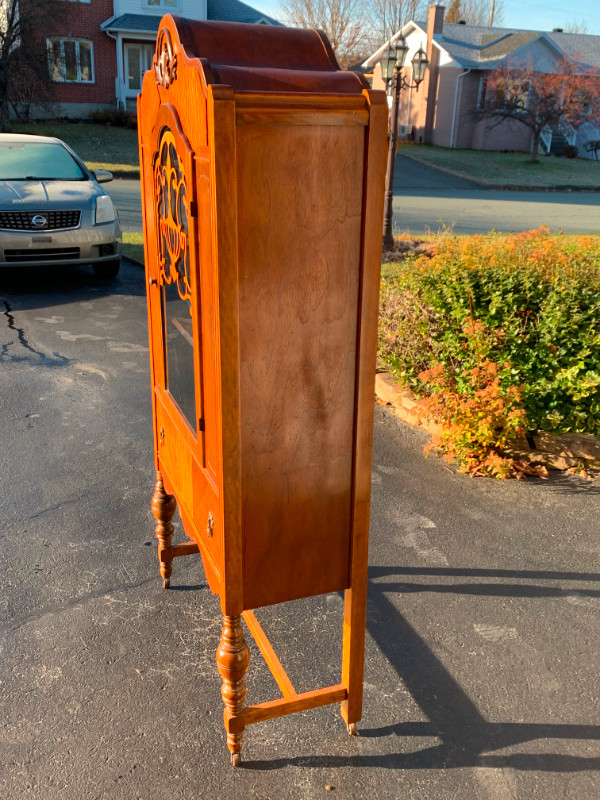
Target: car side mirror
x=102, y=175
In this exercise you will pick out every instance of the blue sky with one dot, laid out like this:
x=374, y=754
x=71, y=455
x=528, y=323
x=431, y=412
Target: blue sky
x=539, y=15
x=529, y=14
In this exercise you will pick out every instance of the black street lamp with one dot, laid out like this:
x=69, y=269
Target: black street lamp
x=392, y=63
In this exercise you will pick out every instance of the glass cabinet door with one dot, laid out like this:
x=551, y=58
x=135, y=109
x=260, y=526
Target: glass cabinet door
x=178, y=328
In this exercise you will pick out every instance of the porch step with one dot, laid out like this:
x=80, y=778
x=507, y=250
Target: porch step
x=558, y=143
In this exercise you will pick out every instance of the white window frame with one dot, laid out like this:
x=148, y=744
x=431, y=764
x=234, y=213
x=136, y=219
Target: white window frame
x=64, y=79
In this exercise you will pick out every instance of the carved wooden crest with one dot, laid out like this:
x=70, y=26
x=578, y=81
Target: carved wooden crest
x=165, y=68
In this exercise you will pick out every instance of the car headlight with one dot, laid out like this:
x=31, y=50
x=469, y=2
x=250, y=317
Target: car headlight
x=105, y=211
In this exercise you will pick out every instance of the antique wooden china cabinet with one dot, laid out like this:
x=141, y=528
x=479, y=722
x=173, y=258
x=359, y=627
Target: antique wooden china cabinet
x=262, y=183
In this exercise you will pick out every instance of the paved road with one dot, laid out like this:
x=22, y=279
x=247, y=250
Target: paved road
x=484, y=607
x=127, y=198
x=426, y=199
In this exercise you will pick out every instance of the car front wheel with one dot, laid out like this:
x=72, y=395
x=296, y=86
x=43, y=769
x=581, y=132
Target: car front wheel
x=107, y=270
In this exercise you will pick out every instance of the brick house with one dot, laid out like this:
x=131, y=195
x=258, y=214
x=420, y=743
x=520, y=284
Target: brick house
x=98, y=50
x=460, y=57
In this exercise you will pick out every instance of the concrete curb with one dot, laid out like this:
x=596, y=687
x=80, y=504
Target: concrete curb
x=502, y=187
x=556, y=451
x=122, y=174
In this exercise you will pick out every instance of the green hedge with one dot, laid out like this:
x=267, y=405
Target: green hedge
x=535, y=296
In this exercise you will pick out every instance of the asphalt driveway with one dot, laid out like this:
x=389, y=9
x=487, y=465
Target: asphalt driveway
x=483, y=621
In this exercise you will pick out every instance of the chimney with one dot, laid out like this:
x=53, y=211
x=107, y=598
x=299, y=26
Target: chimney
x=435, y=20
x=435, y=25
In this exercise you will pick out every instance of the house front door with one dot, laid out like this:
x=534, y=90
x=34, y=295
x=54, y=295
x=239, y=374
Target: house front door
x=138, y=59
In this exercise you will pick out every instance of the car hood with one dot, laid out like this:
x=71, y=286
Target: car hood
x=36, y=195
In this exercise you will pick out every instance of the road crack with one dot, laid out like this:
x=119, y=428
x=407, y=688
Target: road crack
x=54, y=360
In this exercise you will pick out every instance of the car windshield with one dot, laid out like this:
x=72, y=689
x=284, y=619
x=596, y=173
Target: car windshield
x=48, y=161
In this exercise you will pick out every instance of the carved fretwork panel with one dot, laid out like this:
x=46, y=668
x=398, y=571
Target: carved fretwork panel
x=172, y=217
x=173, y=183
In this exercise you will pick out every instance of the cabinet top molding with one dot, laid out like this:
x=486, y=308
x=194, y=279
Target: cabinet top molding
x=259, y=58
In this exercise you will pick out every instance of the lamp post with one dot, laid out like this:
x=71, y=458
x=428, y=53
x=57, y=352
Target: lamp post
x=392, y=63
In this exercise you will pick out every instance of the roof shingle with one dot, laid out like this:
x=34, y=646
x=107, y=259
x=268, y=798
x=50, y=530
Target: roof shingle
x=476, y=46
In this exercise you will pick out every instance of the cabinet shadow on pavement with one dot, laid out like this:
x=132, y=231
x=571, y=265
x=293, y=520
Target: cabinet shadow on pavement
x=467, y=739
x=55, y=286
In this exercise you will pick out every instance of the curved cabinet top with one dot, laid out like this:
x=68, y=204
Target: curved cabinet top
x=257, y=58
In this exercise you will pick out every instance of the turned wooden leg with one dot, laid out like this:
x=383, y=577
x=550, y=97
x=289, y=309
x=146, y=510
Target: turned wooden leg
x=163, y=507
x=233, y=657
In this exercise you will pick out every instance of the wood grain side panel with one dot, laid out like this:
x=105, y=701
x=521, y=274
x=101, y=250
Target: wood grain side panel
x=299, y=228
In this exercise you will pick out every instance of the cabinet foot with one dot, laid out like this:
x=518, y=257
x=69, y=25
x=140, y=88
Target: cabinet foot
x=163, y=507
x=352, y=729
x=236, y=760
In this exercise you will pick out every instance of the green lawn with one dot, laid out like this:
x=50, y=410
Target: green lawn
x=100, y=146
x=509, y=169
x=133, y=245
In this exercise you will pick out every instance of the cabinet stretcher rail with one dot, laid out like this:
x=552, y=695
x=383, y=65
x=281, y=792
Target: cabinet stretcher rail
x=291, y=700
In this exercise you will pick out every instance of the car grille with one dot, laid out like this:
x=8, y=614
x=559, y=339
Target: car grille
x=50, y=254
x=22, y=220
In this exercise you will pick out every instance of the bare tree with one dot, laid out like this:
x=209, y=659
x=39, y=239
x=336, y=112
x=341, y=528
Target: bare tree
x=343, y=21
x=522, y=96
x=29, y=90
x=476, y=12
x=387, y=17
x=22, y=24
x=576, y=26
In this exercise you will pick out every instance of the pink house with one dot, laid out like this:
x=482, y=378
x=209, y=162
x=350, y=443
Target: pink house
x=460, y=56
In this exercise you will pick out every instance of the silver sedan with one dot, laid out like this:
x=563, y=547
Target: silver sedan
x=53, y=212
